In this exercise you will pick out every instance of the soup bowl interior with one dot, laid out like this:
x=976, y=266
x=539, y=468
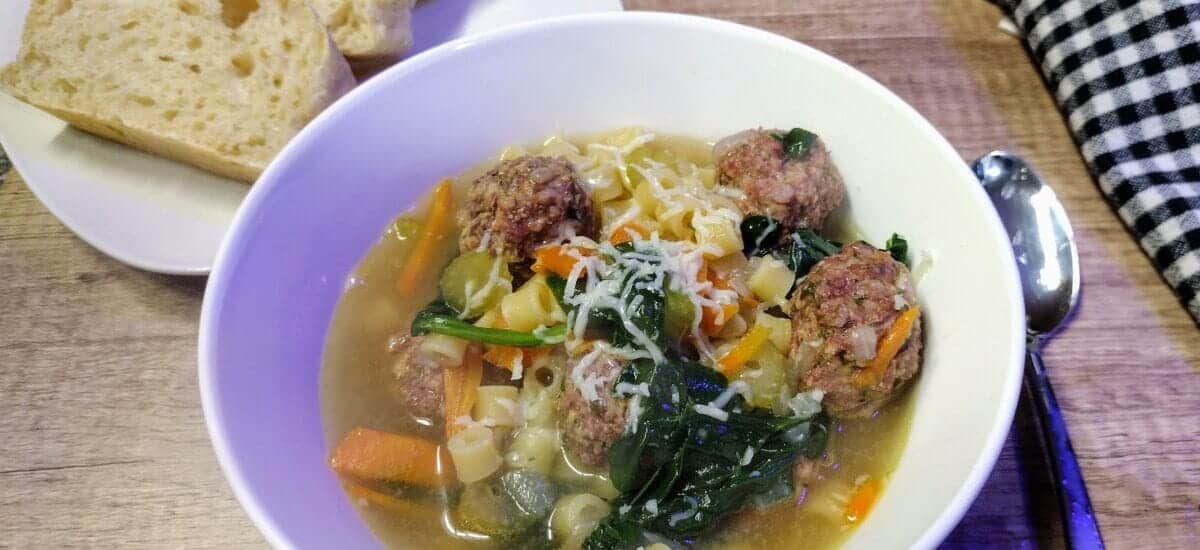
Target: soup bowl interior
x=326, y=199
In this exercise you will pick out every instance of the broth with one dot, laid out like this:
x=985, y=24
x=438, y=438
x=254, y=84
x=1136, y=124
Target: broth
x=356, y=390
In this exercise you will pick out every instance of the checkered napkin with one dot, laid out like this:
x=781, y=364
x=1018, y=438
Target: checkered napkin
x=1127, y=75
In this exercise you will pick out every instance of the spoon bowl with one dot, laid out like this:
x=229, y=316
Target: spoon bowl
x=1047, y=260
x=1042, y=239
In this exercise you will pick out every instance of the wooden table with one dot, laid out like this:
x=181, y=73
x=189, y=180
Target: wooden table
x=104, y=443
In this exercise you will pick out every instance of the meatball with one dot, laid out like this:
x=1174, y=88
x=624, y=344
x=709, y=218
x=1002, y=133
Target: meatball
x=592, y=417
x=418, y=378
x=799, y=193
x=523, y=203
x=839, y=312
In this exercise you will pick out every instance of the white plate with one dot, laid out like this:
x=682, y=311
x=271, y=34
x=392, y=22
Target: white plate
x=159, y=215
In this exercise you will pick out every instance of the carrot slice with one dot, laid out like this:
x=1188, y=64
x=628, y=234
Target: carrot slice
x=624, y=233
x=430, y=242
x=461, y=383
x=744, y=350
x=889, y=345
x=508, y=357
x=861, y=501
x=391, y=504
x=374, y=456
x=713, y=319
x=558, y=259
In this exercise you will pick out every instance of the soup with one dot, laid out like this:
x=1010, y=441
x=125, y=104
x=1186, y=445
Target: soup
x=613, y=341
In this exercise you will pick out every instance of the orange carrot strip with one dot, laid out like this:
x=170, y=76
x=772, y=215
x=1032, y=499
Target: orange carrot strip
x=889, y=345
x=861, y=501
x=622, y=233
x=461, y=383
x=391, y=504
x=507, y=357
x=371, y=455
x=430, y=242
x=558, y=259
x=709, y=322
x=744, y=350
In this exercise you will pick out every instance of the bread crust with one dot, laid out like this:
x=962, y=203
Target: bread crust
x=367, y=29
x=44, y=77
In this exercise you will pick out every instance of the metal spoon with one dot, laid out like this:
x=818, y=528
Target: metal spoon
x=1044, y=246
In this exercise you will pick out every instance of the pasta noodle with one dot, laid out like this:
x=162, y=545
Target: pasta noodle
x=474, y=453
x=534, y=448
x=605, y=184
x=512, y=152
x=498, y=406
x=575, y=516
x=721, y=233
x=676, y=222
x=645, y=196
x=781, y=329
x=556, y=146
x=489, y=319
x=531, y=306
x=771, y=280
x=446, y=350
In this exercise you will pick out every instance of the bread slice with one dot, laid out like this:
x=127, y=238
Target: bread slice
x=220, y=84
x=368, y=28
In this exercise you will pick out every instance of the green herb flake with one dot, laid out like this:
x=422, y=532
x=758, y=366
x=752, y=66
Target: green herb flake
x=797, y=143
x=760, y=234
x=897, y=246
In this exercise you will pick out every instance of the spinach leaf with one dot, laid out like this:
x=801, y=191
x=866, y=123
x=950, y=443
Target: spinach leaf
x=691, y=464
x=641, y=296
x=760, y=234
x=797, y=143
x=612, y=534
x=897, y=246
x=439, y=317
x=803, y=249
x=558, y=287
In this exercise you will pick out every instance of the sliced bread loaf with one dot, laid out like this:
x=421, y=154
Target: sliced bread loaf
x=220, y=84
x=368, y=28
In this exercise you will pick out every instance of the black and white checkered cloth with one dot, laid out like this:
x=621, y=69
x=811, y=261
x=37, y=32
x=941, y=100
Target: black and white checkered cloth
x=1126, y=74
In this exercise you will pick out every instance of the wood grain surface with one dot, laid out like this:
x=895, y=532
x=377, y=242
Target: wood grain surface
x=104, y=442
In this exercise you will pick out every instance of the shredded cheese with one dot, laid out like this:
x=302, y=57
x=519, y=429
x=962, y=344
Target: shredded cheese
x=625, y=388
x=588, y=384
x=693, y=507
x=710, y=411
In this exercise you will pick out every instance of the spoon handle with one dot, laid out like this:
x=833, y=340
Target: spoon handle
x=1079, y=523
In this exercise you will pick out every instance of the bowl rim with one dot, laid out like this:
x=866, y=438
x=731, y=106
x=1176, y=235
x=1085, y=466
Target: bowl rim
x=233, y=245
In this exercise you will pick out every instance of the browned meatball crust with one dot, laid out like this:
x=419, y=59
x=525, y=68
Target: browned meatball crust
x=799, y=193
x=839, y=312
x=418, y=378
x=590, y=427
x=523, y=203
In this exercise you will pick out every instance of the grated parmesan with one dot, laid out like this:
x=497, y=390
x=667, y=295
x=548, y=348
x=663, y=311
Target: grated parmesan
x=711, y=411
x=693, y=507
x=625, y=388
x=588, y=385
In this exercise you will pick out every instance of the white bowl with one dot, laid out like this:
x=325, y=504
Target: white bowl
x=327, y=197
